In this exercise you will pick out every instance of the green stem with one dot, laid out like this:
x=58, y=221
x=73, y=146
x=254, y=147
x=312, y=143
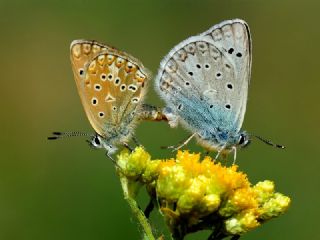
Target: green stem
x=143, y=221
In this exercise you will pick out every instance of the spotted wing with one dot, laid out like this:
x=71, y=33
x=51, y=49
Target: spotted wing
x=82, y=51
x=112, y=90
x=205, y=78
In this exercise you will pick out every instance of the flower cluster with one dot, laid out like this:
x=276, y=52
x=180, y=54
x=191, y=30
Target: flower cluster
x=195, y=194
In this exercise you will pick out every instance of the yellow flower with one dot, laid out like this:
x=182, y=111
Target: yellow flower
x=203, y=194
x=134, y=164
x=242, y=222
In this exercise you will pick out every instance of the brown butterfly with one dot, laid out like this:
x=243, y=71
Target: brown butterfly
x=111, y=85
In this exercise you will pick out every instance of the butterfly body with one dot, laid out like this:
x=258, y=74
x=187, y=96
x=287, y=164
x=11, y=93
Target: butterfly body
x=111, y=85
x=204, y=81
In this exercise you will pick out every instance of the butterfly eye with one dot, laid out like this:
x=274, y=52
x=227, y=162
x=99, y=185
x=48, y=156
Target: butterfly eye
x=243, y=140
x=96, y=141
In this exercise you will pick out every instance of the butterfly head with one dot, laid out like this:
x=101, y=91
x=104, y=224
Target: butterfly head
x=99, y=142
x=243, y=139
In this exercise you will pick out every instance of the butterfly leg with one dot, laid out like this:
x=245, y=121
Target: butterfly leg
x=111, y=158
x=181, y=144
x=220, y=151
x=126, y=145
x=114, y=162
x=234, y=149
x=218, y=154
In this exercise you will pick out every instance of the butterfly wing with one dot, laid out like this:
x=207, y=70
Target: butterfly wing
x=233, y=38
x=205, y=78
x=112, y=90
x=81, y=52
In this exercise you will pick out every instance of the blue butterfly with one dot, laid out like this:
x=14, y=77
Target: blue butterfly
x=204, y=81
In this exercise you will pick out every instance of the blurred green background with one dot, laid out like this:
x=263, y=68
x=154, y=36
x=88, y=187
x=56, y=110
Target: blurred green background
x=65, y=190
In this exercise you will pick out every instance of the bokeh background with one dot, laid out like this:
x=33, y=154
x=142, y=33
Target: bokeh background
x=65, y=190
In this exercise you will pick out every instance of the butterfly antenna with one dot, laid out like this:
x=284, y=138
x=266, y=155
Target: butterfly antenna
x=60, y=135
x=269, y=142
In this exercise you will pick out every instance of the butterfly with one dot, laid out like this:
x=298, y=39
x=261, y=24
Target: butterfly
x=204, y=82
x=112, y=86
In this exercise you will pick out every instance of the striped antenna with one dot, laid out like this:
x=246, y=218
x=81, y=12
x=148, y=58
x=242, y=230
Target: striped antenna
x=61, y=135
x=266, y=141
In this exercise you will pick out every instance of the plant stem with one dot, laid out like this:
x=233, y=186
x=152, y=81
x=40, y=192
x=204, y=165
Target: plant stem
x=143, y=221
